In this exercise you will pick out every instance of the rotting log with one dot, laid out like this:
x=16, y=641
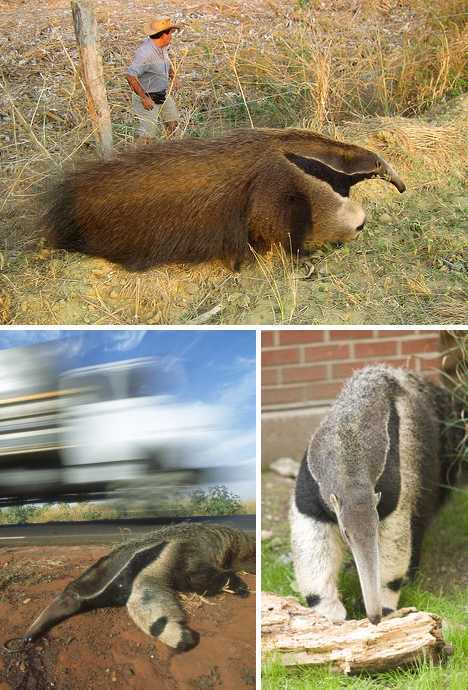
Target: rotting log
x=299, y=636
x=84, y=20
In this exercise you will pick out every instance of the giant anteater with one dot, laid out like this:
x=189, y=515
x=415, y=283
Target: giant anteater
x=145, y=575
x=373, y=475
x=194, y=200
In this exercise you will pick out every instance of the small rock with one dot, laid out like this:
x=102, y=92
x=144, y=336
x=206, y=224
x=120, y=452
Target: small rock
x=26, y=601
x=286, y=467
x=266, y=534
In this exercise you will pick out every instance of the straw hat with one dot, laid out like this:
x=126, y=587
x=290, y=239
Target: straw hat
x=158, y=25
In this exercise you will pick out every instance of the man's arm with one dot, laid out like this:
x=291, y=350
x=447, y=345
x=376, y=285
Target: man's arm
x=137, y=88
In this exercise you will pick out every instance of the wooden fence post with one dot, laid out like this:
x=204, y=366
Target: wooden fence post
x=85, y=24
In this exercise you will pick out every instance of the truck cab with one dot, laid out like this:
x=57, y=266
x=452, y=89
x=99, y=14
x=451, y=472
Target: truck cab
x=76, y=433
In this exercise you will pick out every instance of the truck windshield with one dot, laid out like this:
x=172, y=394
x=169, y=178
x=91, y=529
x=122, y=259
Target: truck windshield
x=141, y=382
x=115, y=383
x=91, y=388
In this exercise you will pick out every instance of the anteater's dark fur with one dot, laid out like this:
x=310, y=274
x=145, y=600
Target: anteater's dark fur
x=194, y=200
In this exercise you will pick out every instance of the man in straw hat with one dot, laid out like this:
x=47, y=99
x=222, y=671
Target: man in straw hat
x=149, y=76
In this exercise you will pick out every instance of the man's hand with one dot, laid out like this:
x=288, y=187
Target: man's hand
x=147, y=102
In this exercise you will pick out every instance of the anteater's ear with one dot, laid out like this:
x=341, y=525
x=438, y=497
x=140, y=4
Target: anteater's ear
x=342, y=172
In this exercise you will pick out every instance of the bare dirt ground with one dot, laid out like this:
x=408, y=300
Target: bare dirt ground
x=104, y=649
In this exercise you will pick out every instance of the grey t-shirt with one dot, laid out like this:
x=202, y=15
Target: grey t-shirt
x=151, y=66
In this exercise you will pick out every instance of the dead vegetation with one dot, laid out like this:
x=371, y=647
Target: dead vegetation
x=301, y=637
x=378, y=73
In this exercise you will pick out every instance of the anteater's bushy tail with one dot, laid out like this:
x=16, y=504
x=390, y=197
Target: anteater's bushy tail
x=62, y=229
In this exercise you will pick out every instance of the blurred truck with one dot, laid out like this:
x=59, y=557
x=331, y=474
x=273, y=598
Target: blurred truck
x=70, y=435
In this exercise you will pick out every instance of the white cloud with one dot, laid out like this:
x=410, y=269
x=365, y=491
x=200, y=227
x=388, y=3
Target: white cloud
x=21, y=338
x=245, y=362
x=240, y=394
x=58, y=341
x=71, y=342
x=123, y=341
x=190, y=344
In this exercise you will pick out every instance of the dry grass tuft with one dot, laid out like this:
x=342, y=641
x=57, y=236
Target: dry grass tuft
x=76, y=512
x=405, y=140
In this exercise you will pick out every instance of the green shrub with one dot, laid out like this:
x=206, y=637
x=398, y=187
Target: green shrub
x=216, y=501
x=458, y=382
x=17, y=515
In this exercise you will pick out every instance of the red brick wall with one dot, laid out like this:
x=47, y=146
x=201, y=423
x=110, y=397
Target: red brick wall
x=301, y=368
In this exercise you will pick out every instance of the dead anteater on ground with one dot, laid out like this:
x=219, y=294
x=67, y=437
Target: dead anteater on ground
x=195, y=200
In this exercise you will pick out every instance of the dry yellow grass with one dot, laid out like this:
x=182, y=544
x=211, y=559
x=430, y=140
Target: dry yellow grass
x=249, y=507
x=360, y=71
x=73, y=513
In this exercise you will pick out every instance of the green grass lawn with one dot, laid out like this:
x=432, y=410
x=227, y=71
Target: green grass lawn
x=440, y=588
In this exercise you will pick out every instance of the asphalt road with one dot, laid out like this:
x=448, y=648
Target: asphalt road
x=102, y=531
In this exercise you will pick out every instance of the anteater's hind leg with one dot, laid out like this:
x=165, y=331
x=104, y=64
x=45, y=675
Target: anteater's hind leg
x=137, y=263
x=395, y=552
x=154, y=607
x=418, y=528
x=206, y=579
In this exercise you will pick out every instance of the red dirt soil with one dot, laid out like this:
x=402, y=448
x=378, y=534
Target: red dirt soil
x=104, y=649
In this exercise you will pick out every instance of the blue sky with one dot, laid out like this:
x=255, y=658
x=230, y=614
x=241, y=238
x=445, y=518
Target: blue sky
x=213, y=366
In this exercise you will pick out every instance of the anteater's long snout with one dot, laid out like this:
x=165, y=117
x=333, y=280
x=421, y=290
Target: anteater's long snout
x=366, y=556
x=62, y=607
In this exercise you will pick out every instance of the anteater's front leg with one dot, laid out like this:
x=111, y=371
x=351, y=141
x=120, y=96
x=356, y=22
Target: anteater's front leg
x=209, y=580
x=317, y=554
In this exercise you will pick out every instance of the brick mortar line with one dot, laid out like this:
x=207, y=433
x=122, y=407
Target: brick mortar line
x=301, y=384
x=296, y=365
x=376, y=339
x=297, y=405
